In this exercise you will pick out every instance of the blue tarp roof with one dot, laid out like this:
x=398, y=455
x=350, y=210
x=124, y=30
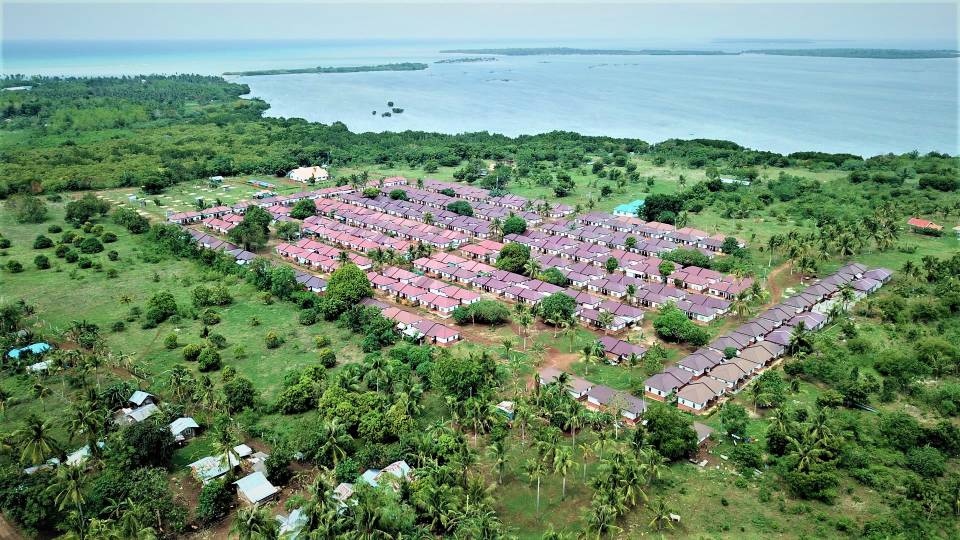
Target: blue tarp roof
x=36, y=348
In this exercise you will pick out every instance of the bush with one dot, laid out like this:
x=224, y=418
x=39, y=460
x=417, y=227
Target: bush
x=240, y=394
x=346, y=470
x=170, y=342
x=272, y=340
x=278, y=465
x=483, y=312
x=308, y=317
x=209, y=359
x=462, y=208
x=108, y=238
x=27, y=208
x=112, y=273
x=210, y=317
x=41, y=262
x=42, y=242
x=54, y=229
x=514, y=225
x=91, y=245
x=191, y=352
x=160, y=307
x=113, y=255
x=214, y=502
x=118, y=326
x=747, y=456
x=926, y=461
x=61, y=251
x=4, y=243
x=321, y=341
x=84, y=263
x=217, y=340
x=327, y=357
x=14, y=267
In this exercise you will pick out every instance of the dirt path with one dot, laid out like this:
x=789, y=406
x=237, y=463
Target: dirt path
x=8, y=531
x=776, y=291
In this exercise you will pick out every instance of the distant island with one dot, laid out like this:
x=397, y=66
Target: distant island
x=538, y=51
x=893, y=54
x=403, y=66
x=466, y=60
x=896, y=54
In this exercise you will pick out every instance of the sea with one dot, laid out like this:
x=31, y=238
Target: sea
x=778, y=103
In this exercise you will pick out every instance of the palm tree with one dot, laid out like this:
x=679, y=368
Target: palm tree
x=539, y=352
x=586, y=356
x=574, y=418
x=535, y=470
x=654, y=464
x=496, y=229
x=532, y=267
x=377, y=371
x=498, y=452
x=603, y=436
x=35, y=440
x=507, y=347
x=847, y=296
x=601, y=518
x=605, y=320
x=562, y=463
x=254, y=523
x=226, y=437
x=586, y=451
x=68, y=487
x=800, y=340
x=661, y=515
x=524, y=320
x=522, y=416
x=181, y=382
x=335, y=441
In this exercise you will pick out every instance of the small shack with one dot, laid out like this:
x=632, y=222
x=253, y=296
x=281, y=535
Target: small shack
x=255, y=488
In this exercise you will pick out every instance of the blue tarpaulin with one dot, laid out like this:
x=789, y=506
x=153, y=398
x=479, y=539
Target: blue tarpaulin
x=36, y=348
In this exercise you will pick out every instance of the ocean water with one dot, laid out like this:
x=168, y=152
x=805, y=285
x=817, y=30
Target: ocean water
x=783, y=104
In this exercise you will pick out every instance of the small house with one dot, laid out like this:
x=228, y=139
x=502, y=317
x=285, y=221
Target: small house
x=184, y=428
x=255, y=488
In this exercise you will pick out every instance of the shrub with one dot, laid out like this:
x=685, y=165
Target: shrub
x=118, y=326
x=327, y=357
x=321, y=341
x=113, y=255
x=308, y=317
x=210, y=317
x=71, y=256
x=84, y=263
x=278, y=465
x=209, y=359
x=4, y=243
x=108, y=238
x=514, y=225
x=27, y=208
x=191, y=352
x=42, y=262
x=483, y=312
x=14, y=267
x=214, y=502
x=272, y=340
x=926, y=461
x=91, y=245
x=170, y=342
x=54, y=229
x=42, y=242
x=112, y=273
x=240, y=393
x=160, y=307
x=217, y=340
x=61, y=251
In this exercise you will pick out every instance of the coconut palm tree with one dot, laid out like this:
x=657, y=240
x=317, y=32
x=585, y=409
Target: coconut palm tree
x=254, y=523
x=524, y=320
x=226, y=437
x=35, y=440
x=535, y=470
x=335, y=439
x=661, y=515
x=601, y=518
x=68, y=487
x=498, y=452
x=496, y=229
x=800, y=339
x=562, y=463
x=653, y=464
x=532, y=267
x=522, y=416
x=605, y=320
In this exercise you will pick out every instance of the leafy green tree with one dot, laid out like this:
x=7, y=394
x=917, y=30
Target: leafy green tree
x=734, y=419
x=26, y=208
x=513, y=257
x=670, y=432
x=303, y=209
x=514, y=225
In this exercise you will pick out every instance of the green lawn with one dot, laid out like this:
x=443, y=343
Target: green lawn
x=65, y=293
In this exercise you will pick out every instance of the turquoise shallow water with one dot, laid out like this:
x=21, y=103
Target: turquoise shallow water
x=784, y=104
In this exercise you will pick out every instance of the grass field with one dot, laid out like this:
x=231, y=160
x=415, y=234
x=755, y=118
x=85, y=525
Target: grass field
x=65, y=293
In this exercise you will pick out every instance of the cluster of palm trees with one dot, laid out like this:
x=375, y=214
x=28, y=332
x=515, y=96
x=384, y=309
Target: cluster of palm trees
x=843, y=239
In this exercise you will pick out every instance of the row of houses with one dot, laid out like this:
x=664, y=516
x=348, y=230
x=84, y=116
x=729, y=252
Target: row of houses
x=596, y=397
x=208, y=241
x=702, y=378
x=633, y=226
x=393, y=225
x=320, y=256
x=468, y=226
x=481, y=208
x=351, y=237
x=425, y=291
x=389, y=476
x=526, y=290
x=515, y=203
x=414, y=326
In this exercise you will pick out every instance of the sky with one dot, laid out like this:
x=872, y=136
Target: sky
x=475, y=20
